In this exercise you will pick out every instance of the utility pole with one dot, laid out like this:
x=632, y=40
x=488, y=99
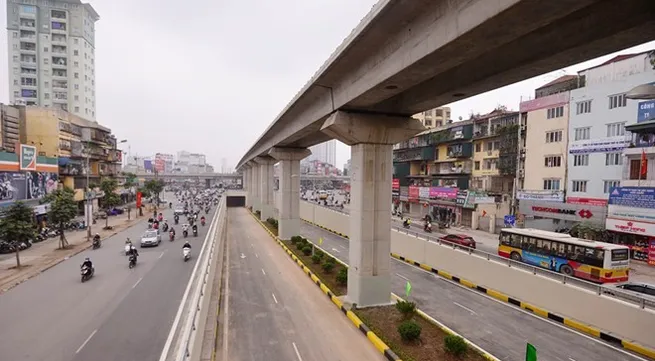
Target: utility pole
x=89, y=216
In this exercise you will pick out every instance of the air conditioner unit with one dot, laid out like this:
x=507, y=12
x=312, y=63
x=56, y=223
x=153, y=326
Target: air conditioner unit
x=523, y=127
x=521, y=172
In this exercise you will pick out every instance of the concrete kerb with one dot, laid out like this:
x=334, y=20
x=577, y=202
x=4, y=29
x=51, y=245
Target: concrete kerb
x=425, y=316
x=569, y=322
x=83, y=247
x=370, y=335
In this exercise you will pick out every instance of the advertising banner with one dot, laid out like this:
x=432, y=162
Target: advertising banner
x=139, y=199
x=395, y=184
x=651, y=252
x=640, y=228
x=646, y=111
x=413, y=192
x=13, y=187
x=27, y=157
x=563, y=211
x=603, y=145
x=424, y=192
x=631, y=213
x=636, y=197
x=549, y=196
x=443, y=192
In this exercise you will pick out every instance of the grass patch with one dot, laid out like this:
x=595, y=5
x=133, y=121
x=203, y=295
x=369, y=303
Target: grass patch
x=431, y=344
x=327, y=274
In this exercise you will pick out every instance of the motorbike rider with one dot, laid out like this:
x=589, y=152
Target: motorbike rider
x=407, y=222
x=195, y=228
x=202, y=219
x=96, y=238
x=186, y=245
x=87, y=263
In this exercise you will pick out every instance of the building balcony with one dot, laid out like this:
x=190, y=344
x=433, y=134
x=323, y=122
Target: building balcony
x=60, y=75
x=414, y=154
x=60, y=40
x=28, y=50
x=58, y=15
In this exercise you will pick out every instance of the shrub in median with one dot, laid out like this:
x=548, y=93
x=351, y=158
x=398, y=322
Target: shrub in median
x=319, y=253
x=455, y=345
x=258, y=213
x=327, y=266
x=272, y=221
x=296, y=239
x=409, y=331
x=406, y=308
x=316, y=259
x=342, y=277
x=331, y=260
x=300, y=245
x=307, y=250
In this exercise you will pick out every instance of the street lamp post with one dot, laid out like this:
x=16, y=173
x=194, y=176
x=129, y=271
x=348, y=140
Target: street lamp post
x=89, y=214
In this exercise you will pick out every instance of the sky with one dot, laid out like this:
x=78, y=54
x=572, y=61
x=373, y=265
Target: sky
x=210, y=76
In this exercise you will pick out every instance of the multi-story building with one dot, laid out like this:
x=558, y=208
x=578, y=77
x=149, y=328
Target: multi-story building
x=434, y=118
x=84, y=148
x=52, y=54
x=600, y=113
x=325, y=152
x=10, y=118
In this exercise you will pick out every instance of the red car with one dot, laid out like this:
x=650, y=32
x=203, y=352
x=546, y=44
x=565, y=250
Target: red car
x=461, y=239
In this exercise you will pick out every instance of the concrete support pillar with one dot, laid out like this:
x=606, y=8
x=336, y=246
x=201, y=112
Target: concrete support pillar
x=265, y=184
x=289, y=206
x=371, y=138
x=254, y=186
x=246, y=185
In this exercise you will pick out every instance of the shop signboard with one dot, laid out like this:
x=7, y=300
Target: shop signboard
x=563, y=211
x=395, y=184
x=424, y=192
x=404, y=191
x=631, y=213
x=632, y=227
x=587, y=201
x=646, y=111
x=27, y=158
x=546, y=196
x=466, y=199
x=484, y=199
x=602, y=145
x=413, y=192
x=651, y=252
x=635, y=197
x=443, y=192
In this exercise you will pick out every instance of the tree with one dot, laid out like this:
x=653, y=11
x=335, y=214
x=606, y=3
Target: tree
x=110, y=199
x=63, y=209
x=154, y=187
x=17, y=227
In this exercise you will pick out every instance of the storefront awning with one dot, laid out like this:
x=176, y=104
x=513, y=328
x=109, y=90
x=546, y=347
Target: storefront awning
x=643, y=127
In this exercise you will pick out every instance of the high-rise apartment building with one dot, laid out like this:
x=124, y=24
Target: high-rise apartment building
x=52, y=54
x=434, y=118
x=325, y=152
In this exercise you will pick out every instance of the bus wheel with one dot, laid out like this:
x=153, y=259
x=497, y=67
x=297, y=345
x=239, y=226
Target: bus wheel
x=515, y=256
x=566, y=269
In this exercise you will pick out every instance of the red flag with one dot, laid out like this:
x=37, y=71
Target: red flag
x=643, y=168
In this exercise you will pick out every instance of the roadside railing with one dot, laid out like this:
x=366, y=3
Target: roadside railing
x=601, y=290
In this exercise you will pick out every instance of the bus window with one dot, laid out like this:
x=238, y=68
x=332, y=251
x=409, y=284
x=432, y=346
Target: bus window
x=515, y=241
x=543, y=246
x=505, y=239
x=559, y=249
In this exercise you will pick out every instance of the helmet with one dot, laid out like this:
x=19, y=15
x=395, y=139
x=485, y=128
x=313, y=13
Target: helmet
x=97, y=234
x=87, y=259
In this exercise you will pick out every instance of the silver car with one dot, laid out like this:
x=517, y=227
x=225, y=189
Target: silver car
x=150, y=238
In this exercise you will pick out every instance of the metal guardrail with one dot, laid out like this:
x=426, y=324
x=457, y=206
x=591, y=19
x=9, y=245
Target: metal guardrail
x=601, y=290
x=191, y=329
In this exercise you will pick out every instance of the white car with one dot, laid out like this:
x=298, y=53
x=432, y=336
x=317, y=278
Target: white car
x=178, y=210
x=151, y=238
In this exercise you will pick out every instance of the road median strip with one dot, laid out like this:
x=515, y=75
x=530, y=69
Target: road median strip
x=569, y=322
x=370, y=335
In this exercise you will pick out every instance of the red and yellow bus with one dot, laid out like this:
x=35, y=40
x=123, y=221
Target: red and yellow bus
x=598, y=262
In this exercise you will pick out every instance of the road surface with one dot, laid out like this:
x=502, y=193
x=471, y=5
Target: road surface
x=120, y=314
x=274, y=312
x=500, y=329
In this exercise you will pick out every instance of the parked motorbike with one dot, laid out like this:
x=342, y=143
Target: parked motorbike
x=86, y=273
x=132, y=261
x=187, y=253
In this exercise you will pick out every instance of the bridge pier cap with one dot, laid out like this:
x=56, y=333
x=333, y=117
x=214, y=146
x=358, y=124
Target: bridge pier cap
x=371, y=138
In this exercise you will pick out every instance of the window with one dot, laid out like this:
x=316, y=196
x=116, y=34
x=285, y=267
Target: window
x=553, y=161
x=579, y=186
x=582, y=133
x=46, y=95
x=554, y=136
x=556, y=112
x=613, y=159
x=477, y=165
x=76, y=52
x=428, y=123
x=617, y=101
x=489, y=146
x=551, y=184
x=15, y=58
x=616, y=129
x=46, y=84
x=609, y=184
x=76, y=86
x=581, y=160
x=583, y=107
x=76, y=64
x=16, y=94
x=45, y=49
x=15, y=46
x=77, y=109
x=77, y=75
x=45, y=61
x=75, y=41
x=77, y=97
x=15, y=34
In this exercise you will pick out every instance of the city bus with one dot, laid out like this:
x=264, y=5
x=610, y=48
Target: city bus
x=598, y=262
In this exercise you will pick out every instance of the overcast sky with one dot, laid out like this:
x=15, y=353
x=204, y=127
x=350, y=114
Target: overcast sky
x=210, y=76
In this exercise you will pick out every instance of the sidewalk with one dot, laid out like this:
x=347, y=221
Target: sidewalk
x=44, y=255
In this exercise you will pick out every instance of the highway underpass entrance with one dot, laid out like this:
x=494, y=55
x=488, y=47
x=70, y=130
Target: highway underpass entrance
x=235, y=201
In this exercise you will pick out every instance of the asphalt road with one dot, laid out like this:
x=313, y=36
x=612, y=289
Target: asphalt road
x=273, y=311
x=500, y=329
x=120, y=314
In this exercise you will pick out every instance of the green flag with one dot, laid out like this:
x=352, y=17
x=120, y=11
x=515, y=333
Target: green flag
x=531, y=353
x=408, y=288
x=320, y=241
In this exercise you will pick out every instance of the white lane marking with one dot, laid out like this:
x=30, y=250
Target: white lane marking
x=342, y=246
x=295, y=348
x=464, y=307
x=524, y=311
x=86, y=341
x=137, y=282
x=243, y=256
x=571, y=359
x=401, y=276
x=264, y=272
x=274, y=298
x=256, y=255
x=336, y=250
x=162, y=254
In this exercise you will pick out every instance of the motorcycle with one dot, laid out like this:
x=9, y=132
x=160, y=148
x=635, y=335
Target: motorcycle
x=177, y=220
x=202, y=222
x=187, y=253
x=427, y=227
x=171, y=236
x=195, y=232
x=86, y=273
x=96, y=243
x=185, y=233
x=165, y=227
x=406, y=225
x=132, y=261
